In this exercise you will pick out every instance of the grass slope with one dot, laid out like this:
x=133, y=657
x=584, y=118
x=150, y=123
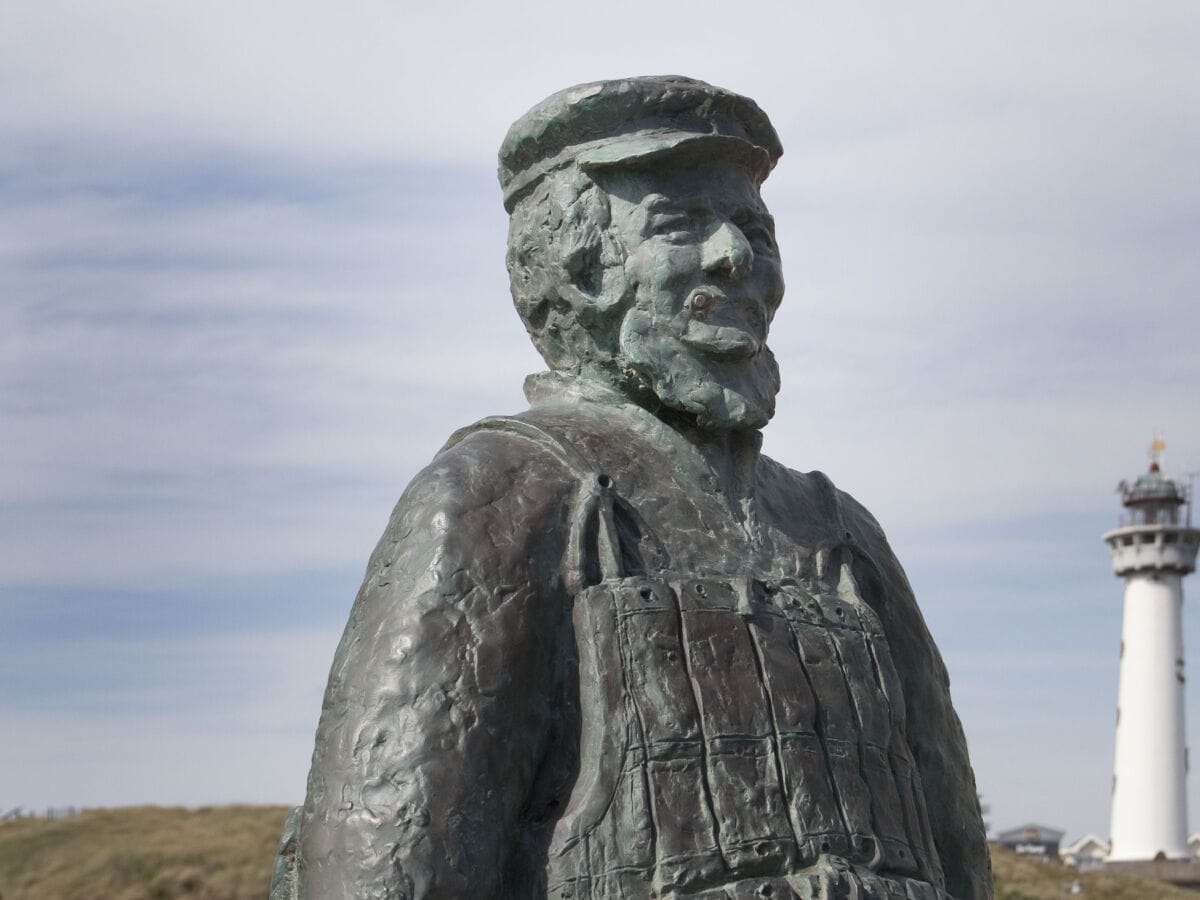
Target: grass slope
x=1019, y=878
x=226, y=853
x=142, y=853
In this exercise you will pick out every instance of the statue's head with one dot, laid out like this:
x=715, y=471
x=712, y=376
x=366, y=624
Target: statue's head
x=640, y=251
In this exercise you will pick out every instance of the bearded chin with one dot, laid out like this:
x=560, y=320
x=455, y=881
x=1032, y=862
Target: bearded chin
x=722, y=394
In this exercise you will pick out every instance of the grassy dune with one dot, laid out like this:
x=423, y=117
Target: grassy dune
x=1019, y=878
x=142, y=853
x=226, y=853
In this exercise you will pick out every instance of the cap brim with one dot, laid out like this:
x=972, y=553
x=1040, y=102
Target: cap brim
x=644, y=148
x=650, y=146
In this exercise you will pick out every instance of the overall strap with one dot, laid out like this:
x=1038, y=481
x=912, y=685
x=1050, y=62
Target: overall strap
x=593, y=501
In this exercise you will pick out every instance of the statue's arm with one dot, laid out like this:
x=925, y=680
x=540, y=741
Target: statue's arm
x=933, y=729
x=437, y=714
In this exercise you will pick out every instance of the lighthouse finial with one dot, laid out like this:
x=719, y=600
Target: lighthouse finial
x=1157, y=446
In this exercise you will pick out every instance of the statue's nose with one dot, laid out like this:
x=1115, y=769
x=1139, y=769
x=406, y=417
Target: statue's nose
x=727, y=251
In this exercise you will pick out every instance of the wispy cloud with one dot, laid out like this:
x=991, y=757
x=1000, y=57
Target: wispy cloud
x=251, y=276
x=117, y=720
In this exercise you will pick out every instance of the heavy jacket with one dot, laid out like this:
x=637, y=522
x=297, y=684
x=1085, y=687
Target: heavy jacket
x=478, y=741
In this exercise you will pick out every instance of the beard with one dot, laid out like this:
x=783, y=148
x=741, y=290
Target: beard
x=723, y=392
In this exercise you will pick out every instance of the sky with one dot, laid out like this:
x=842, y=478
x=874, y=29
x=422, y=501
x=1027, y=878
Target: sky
x=251, y=278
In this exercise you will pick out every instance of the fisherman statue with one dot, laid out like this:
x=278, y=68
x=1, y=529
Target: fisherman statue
x=605, y=647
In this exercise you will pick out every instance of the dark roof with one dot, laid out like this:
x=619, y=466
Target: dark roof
x=1031, y=832
x=1153, y=487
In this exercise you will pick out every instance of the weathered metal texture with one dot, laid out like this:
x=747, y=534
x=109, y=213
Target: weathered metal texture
x=759, y=733
x=605, y=648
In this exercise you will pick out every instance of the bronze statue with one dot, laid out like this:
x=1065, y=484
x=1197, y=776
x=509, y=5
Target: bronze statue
x=605, y=648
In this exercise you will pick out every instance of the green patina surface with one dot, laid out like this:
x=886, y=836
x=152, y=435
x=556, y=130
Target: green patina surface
x=605, y=647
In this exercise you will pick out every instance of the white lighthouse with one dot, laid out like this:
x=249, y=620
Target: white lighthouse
x=1152, y=550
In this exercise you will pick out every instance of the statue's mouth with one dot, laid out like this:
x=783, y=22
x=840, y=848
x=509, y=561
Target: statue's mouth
x=723, y=327
x=723, y=341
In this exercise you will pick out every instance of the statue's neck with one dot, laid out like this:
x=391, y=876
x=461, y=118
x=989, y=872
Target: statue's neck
x=731, y=456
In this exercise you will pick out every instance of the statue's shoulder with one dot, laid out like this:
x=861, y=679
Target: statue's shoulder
x=814, y=496
x=542, y=442
x=487, y=476
x=578, y=438
x=532, y=460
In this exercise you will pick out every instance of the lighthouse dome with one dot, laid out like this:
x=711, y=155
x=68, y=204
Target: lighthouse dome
x=1153, y=487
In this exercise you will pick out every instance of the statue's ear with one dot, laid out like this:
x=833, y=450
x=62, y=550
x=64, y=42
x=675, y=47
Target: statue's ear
x=594, y=263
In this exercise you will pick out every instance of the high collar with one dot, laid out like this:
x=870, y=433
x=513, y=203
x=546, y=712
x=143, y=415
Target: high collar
x=556, y=387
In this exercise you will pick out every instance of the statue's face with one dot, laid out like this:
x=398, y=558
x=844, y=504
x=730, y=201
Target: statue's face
x=706, y=279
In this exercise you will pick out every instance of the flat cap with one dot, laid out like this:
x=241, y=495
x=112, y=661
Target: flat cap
x=607, y=123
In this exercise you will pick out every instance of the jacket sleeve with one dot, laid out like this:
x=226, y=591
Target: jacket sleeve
x=933, y=729
x=438, y=712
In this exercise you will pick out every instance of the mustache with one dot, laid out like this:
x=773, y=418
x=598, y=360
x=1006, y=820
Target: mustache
x=711, y=303
x=724, y=326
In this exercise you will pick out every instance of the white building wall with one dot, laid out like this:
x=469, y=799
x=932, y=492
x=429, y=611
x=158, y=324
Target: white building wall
x=1149, y=810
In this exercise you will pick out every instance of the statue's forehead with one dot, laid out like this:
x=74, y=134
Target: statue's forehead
x=714, y=184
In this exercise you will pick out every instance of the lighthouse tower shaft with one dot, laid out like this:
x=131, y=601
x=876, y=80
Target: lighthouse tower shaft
x=1152, y=551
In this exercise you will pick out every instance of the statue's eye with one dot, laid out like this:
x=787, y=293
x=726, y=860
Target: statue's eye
x=673, y=223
